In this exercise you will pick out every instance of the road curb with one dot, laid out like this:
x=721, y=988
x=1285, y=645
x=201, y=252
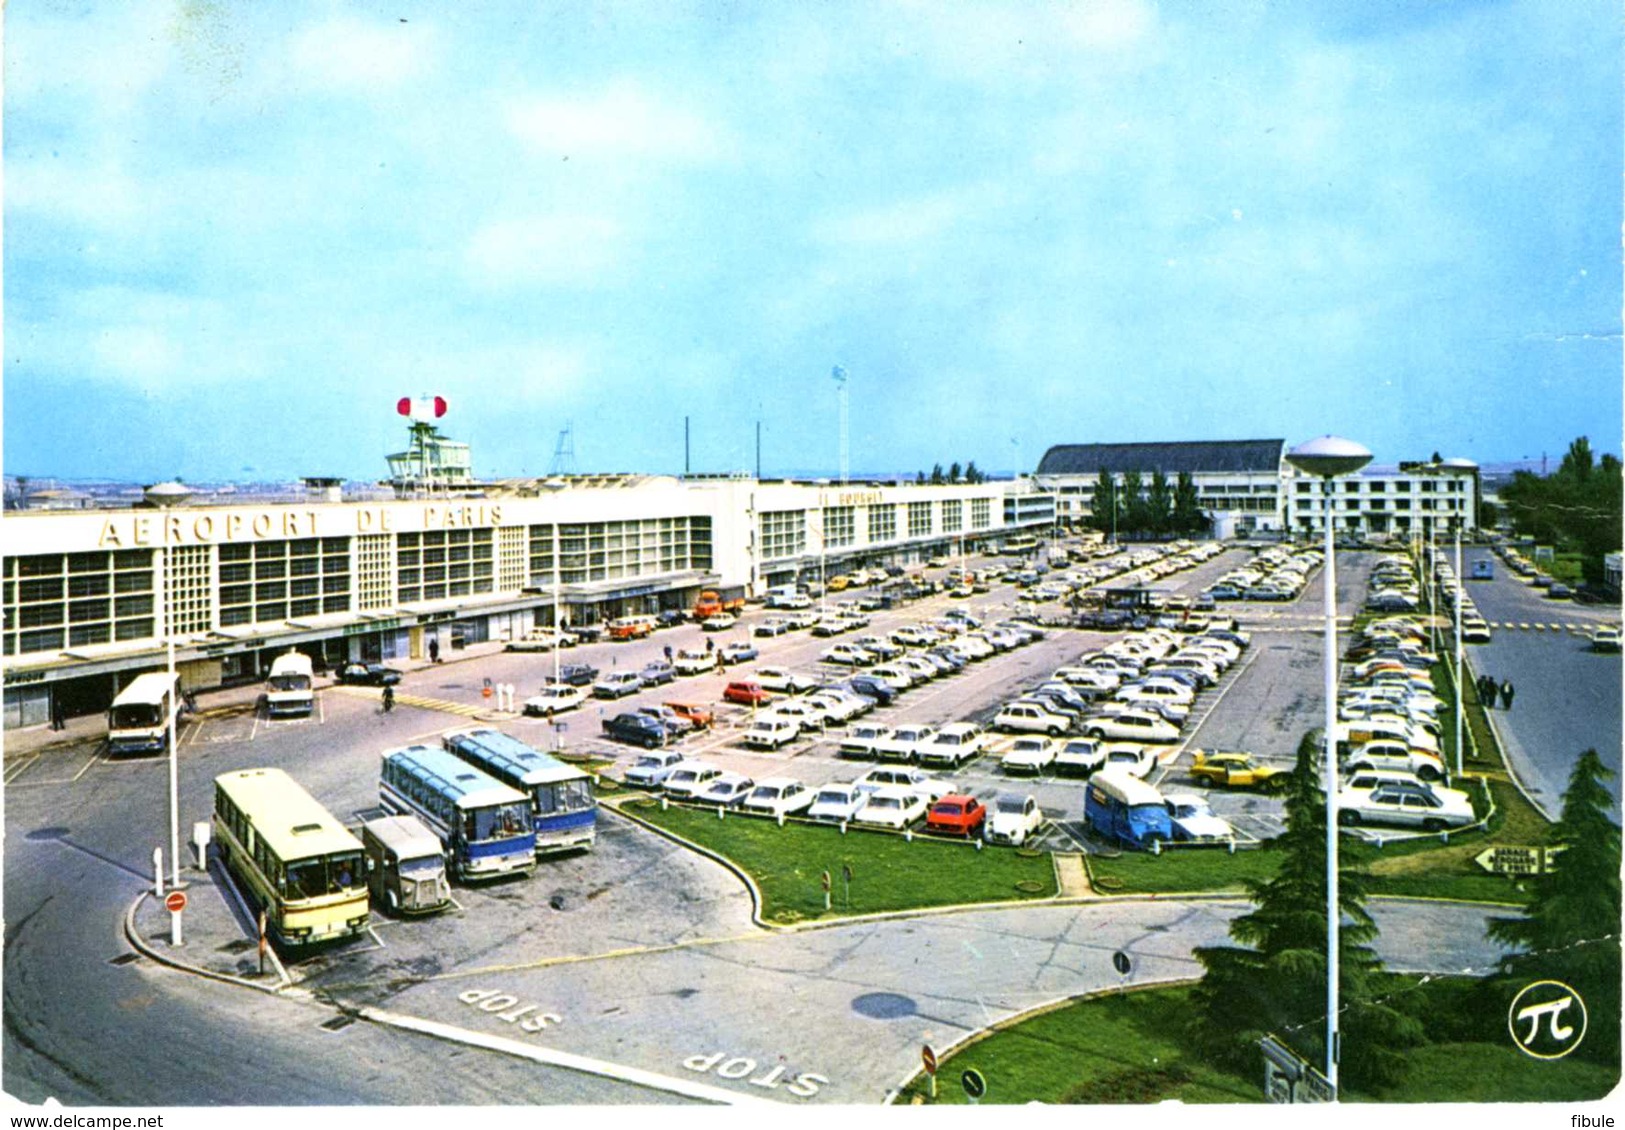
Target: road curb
x=133, y=936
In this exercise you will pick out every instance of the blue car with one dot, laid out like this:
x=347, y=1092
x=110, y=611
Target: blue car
x=882, y=693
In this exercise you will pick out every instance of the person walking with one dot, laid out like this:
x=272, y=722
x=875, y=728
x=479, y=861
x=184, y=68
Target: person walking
x=1506, y=695
x=1486, y=691
x=434, y=649
x=389, y=699
x=58, y=721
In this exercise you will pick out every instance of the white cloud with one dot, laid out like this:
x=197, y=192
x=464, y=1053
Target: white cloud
x=137, y=354
x=577, y=250
x=358, y=55
x=104, y=197
x=621, y=121
x=1108, y=25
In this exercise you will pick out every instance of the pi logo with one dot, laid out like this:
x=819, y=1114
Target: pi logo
x=1547, y=1020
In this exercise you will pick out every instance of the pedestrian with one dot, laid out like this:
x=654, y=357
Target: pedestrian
x=710, y=646
x=1486, y=691
x=1506, y=695
x=668, y=653
x=389, y=699
x=434, y=649
x=58, y=722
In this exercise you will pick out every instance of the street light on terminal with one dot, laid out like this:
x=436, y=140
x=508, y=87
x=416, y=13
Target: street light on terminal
x=1326, y=458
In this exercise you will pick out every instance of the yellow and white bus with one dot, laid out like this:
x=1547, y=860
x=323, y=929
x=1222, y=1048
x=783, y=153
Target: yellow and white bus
x=138, y=720
x=293, y=859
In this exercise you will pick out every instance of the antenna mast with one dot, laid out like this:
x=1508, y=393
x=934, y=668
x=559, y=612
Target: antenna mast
x=564, y=452
x=840, y=383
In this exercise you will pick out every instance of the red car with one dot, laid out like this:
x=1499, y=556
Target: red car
x=746, y=694
x=957, y=814
x=701, y=716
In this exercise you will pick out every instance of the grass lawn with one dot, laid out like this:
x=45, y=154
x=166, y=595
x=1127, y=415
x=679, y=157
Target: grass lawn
x=888, y=872
x=1132, y=1048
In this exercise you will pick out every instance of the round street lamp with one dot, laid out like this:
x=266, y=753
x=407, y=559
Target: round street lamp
x=1326, y=458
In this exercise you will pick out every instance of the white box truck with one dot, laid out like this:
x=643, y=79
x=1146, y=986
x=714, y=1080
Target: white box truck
x=288, y=688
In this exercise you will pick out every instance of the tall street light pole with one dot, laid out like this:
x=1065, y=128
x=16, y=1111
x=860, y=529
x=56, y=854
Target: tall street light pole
x=1327, y=458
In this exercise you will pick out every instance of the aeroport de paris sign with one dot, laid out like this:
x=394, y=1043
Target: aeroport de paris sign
x=209, y=527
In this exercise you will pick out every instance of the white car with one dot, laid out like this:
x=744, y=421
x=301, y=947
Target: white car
x=1090, y=680
x=953, y=745
x=687, y=778
x=916, y=635
x=1175, y=709
x=772, y=626
x=974, y=646
x=1396, y=755
x=651, y=769
x=779, y=796
x=860, y=740
x=894, y=676
x=1605, y=639
x=835, y=708
x=1030, y=755
x=1137, y=760
x=554, y=698
x=1080, y=756
x=917, y=665
x=1132, y=726
x=1426, y=806
x=1193, y=821
x=904, y=742
x=803, y=713
x=892, y=807
x=848, y=655
x=693, y=661
x=1031, y=718
x=888, y=776
x=771, y=731
x=784, y=679
x=728, y=790
x=719, y=621
x=837, y=803
x=1012, y=818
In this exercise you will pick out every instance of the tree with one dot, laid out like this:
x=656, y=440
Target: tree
x=936, y=475
x=1187, y=518
x=1570, y=932
x=1104, y=516
x=954, y=472
x=1131, y=510
x=1576, y=509
x=972, y=475
x=1159, y=504
x=920, y=478
x=1275, y=981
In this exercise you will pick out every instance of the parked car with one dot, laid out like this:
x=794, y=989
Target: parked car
x=1032, y=718
x=617, y=684
x=770, y=731
x=1124, y=808
x=953, y=745
x=1132, y=758
x=366, y=675
x=956, y=814
x=806, y=716
x=578, y=674
x=650, y=770
x=1193, y=822
x=1132, y=725
x=872, y=688
x=848, y=655
x=688, y=778
x=1420, y=806
x=554, y=698
x=892, y=807
x=657, y=673
x=860, y=740
x=746, y=693
x=1396, y=755
x=694, y=661
x=1237, y=770
x=728, y=790
x=894, y=676
x=719, y=622
x=1605, y=639
x=1079, y=757
x=779, y=796
x=904, y=742
x=541, y=639
x=885, y=776
x=1013, y=818
x=635, y=729
x=1029, y=755
x=701, y=716
x=738, y=652
x=837, y=803
x=784, y=679
x=772, y=626
x=676, y=725
x=837, y=707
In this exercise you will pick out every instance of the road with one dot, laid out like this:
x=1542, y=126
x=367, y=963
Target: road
x=674, y=973
x=1567, y=697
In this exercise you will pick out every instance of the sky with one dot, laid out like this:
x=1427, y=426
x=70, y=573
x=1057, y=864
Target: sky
x=237, y=234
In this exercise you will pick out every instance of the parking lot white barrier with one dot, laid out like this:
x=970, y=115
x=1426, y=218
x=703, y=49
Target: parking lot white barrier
x=158, y=872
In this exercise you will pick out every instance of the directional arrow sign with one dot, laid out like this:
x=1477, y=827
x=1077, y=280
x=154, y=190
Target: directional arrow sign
x=1506, y=860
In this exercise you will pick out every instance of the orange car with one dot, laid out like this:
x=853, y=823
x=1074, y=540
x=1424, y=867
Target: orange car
x=701, y=716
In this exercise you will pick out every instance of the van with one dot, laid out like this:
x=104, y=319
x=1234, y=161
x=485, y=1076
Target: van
x=288, y=687
x=406, y=866
x=1124, y=808
x=1483, y=570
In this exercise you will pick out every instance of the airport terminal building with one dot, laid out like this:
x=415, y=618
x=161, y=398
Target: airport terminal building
x=92, y=595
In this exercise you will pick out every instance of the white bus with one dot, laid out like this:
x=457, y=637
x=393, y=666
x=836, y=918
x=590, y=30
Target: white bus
x=138, y=721
x=288, y=689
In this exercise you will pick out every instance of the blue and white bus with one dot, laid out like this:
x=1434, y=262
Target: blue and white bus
x=561, y=801
x=483, y=824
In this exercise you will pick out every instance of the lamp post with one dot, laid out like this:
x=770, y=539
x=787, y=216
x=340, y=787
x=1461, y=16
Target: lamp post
x=1327, y=458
